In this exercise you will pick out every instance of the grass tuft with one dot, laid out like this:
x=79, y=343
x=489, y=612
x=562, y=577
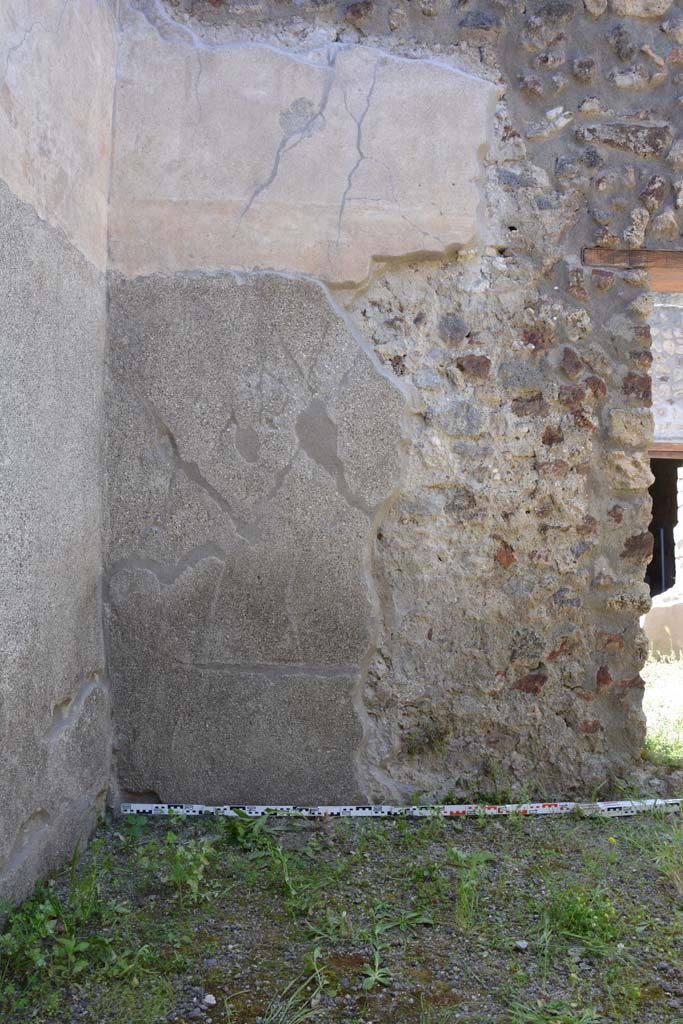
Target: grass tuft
x=663, y=706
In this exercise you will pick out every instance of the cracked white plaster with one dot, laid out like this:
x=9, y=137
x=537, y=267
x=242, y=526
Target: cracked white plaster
x=250, y=157
x=57, y=68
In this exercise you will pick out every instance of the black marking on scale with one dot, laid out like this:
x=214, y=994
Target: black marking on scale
x=605, y=808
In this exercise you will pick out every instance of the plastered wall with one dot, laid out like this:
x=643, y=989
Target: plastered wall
x=56, y=94
x=666, y=322
x=374, y=517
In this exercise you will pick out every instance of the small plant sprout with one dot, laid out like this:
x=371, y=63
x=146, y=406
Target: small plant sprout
x=470, y=871
x=375, y=973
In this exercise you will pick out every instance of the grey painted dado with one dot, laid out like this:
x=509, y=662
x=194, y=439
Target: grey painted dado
x=251, y=443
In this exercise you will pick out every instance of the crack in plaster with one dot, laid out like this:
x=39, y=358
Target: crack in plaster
x=29, y=32
x=443, y=244
x=17, y=46
x=190, y=469
x=283, y=148
x=153, y=11
x=171, y=32
x=200, y=72
x=166, y=574
x=275, y=670
x=359, y=140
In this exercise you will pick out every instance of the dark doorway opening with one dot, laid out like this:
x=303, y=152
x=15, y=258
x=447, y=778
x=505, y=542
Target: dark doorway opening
x=660, y=574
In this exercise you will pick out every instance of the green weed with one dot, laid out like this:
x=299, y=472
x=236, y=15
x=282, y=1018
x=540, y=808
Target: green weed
x=334, y=927
x=428, y=1016
x=185, y=864
x=669, y=857
x=429, y=881
x=664, y=742
x=320, y=975
x=436, y=1016
x=132, y=828
x=244, y=831
x=553, y=1012
x=375, y=973
x=663, y=674
x=470, y=872
x=586, y=916
x=177, y=863
x=55, y=938
x=291, y=1010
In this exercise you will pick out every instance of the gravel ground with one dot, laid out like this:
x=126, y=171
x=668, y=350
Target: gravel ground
x=523, y=921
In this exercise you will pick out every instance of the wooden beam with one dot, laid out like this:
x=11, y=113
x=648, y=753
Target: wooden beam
x=664, y=266
x=666, y=450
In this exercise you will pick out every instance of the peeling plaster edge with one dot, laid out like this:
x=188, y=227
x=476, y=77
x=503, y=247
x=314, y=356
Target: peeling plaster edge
x=378, y=265
x=366, y=773
x=67, y=713
x=59, y=231
x=40, y=831
x=166, y=574
x=185, y=36
x=488, y=226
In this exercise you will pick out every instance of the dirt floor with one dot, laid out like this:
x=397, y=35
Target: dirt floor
x=519, y=920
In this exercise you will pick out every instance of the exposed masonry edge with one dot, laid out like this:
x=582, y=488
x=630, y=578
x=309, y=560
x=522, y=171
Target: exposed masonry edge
x=185, y=36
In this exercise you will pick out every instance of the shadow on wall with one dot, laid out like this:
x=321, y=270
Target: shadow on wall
x=661, y=572
x=664, y=622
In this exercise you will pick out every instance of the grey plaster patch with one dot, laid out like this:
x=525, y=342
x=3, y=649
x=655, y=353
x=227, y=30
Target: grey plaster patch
x=235, y=733
x=251, y=444
x=55, y=743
